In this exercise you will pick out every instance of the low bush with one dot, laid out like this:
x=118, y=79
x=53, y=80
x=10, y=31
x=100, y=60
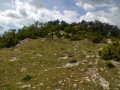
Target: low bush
x=27, y=78
x=75, y=37
x=112, y=51
x=95, y=37
x=110, y=65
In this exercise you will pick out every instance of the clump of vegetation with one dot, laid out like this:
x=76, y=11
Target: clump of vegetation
x=1, y=70
x=73, y=61
x=96, y=37
x=27, y=78
x=110, y=65
x=111, y=52
x=75, y=37
x=58, y=34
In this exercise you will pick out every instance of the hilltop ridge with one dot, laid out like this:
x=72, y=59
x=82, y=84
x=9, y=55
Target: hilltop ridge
x=95, y=31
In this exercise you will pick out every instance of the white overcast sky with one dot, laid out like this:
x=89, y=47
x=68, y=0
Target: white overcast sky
x=17, y=13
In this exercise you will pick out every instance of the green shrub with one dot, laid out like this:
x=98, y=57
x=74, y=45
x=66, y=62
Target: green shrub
x=27, y=78
x=110, y=65
x=112, y=51
x=58, y=34
x=95, y=37
x=75, y=37
x=67, y=35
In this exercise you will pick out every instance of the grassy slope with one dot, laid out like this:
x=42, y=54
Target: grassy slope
x=40, y=59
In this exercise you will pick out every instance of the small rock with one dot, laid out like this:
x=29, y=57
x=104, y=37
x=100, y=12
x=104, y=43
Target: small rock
x=87, y=79
x=63, y=84
x=38, y=55
x=24, y=86
x=104, y=83
x=64, y=56
x=74, y=85
x=109, y=41
x=87, y=56
x=13, y=59
x=33, y=87
x=46, y=70
x=57, y=89
x=38, y=85
x=71, y=64
x=19, y=83
x=41, y=84
x=23, y=70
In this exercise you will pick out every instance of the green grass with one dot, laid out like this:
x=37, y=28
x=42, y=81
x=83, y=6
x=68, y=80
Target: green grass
x=41, y=62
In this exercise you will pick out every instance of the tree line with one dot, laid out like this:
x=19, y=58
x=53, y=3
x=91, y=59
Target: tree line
x=95, y=31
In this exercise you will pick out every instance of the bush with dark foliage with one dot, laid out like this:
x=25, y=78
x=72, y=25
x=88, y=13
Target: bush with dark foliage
x=111, y=52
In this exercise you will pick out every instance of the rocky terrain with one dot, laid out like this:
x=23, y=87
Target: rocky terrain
x=53, y=64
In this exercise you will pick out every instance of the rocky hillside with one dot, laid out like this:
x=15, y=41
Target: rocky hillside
x=54, y=64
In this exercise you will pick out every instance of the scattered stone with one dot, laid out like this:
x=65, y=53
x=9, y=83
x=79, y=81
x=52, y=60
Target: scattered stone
x=76, y=45
x=41, y=84
x=46, y=70
x=42, y=40
x=95, y=77
x=84, y=61
x=18, y=83
x=60, y=82
x=81, y=82
x=74, y=85
x=55, y=54
x=23, y=70
x=24, y=86
x=115, y=63
x=13, y=59
x=64, y=56
x=38, y=55
x=76, y=80
x=104, y=83
x=24, y=41
x=100, y=49
x=57, y=89
x=109, y=41
x=35, y=79
x=87, y=56
x=71, y=64
x=47, y=78
x=58, y=67
x=63, y=84
x=16, y=49
x=97, y=56
x=37, y=85
x=33, y=87
x=87, y=79
x=32, y=57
